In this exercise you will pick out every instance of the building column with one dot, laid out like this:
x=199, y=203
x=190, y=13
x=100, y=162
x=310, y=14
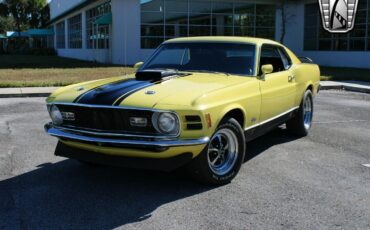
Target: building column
x=83, y=29
x=126, y=32
x=66, y=34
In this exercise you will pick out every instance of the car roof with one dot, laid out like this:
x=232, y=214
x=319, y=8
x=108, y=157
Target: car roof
x=248, y=40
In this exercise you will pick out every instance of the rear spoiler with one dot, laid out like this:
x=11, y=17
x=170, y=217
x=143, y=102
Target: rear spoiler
x=306, y=60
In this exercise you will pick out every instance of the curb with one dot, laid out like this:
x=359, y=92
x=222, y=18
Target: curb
x=329, y=87
x=19, y=95
x=356, y=89
x=345, y=87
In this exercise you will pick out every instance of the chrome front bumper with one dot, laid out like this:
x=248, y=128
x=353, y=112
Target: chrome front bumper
x=119, y=141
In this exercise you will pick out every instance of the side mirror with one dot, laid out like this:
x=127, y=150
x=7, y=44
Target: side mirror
x=266, y=69
x=138, y=65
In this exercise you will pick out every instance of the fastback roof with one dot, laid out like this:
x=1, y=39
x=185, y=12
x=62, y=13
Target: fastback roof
x=223, y=39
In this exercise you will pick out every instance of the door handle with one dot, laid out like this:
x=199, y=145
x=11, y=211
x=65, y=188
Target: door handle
x=291, y=78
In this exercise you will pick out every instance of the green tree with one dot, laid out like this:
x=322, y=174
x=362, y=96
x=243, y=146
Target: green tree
x=3, y=9
x=38, y=12
x=18, y=9
x=6, y=24
x=26, y=13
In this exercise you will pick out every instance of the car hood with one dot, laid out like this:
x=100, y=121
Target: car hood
x=119, y=91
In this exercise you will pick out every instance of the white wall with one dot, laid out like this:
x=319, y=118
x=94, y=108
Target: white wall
x=98, y=55
x=126, y=33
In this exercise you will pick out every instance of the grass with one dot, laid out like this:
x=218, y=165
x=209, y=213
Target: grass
x=344, y=74
x=32, y=71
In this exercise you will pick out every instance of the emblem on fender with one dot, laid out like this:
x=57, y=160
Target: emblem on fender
x=338, y=16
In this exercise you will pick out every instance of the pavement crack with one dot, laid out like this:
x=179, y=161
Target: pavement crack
x=8, y=128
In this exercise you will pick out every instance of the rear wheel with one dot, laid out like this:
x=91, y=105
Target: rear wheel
x=221, y=160
x=301, y=123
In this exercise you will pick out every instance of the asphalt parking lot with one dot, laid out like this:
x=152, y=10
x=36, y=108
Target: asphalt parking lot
x=316, y=182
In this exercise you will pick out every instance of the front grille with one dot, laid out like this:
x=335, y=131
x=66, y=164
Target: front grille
x=112, y=120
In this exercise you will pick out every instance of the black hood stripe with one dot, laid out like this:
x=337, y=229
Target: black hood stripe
x=77, y=100
x=114, y=93
x=132, y=91
x=110, y=93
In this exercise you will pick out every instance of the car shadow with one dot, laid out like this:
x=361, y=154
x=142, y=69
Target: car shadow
x=276, y=136
x=67, y=194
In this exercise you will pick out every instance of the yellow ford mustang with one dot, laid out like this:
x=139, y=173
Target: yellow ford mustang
x=195, y=102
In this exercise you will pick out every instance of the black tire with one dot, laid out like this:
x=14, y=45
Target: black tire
x=300, y=125
x=201, y=168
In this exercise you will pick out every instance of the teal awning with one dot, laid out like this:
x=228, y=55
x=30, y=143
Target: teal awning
x=13, y=34
x=106, y=19
x=40, y=32
x=2, y=36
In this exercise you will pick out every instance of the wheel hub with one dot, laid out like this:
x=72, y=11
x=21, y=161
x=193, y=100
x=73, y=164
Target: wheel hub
x=222, y=152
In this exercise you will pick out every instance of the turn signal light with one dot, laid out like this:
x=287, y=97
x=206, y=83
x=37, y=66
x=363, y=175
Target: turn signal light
x=209, y=120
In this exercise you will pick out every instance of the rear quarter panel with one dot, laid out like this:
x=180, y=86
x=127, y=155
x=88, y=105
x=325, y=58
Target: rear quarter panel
x=306, y=75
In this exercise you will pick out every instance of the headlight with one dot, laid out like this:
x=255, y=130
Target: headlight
x=167, y=123
x=56, y=115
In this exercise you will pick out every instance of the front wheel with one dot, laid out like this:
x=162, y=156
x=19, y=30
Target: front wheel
x=222, y=158
x=301, y=123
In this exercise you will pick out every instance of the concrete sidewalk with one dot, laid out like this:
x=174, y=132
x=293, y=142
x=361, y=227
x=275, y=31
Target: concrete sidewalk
x=355, y=86
x=26, y=92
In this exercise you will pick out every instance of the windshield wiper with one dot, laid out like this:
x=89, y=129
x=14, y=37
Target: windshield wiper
x=207, y=71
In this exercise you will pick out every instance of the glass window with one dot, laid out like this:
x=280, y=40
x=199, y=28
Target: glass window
x=200, y=6
x=316, y=38
x=270, y=55
x=97, y=36
x=205, y=57
x=60, y=35
x=152, y=6
x=357, y=44
x=165, y=19
x=75, y=32
x=285, y=58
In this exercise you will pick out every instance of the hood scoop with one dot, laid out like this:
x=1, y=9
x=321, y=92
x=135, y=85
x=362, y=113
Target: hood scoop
x=156, y=75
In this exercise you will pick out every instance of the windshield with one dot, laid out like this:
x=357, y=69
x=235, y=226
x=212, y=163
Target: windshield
x=229, y=58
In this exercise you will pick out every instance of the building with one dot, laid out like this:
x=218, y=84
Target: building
x=127, y=31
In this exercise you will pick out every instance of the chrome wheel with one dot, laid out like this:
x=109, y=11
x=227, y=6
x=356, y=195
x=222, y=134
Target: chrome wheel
x=307, y=112
x=222, y=152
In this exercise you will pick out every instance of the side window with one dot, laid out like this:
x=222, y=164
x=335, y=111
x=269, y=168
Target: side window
x=286, y=59
x=272, y=55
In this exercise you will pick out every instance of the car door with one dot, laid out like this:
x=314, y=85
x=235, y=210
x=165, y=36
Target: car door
x=278, y=88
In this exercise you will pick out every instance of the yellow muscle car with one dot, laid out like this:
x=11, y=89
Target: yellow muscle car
x=194, y=104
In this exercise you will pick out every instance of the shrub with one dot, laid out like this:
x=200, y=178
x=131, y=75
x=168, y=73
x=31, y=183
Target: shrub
x=42, y=51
